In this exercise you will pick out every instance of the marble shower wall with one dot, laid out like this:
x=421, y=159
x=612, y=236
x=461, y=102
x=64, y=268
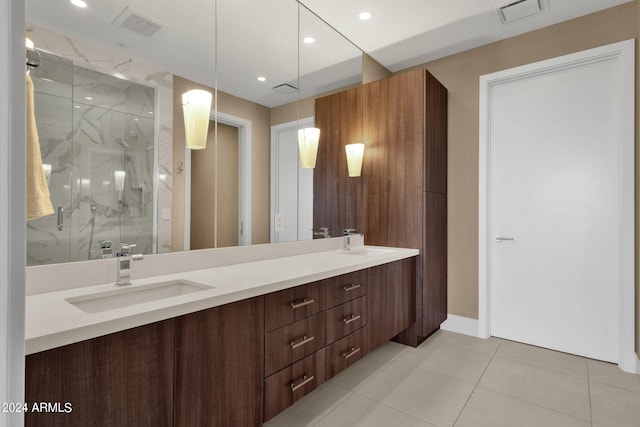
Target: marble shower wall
x=113, y=127
x=93, y=127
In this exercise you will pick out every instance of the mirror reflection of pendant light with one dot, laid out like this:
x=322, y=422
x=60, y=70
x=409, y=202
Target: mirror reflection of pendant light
x=47, y=172
x=355, y=153
x=196, y=105
x=308, y=139
x=119, y=180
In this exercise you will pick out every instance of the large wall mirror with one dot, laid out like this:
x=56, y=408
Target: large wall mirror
x=108, y=112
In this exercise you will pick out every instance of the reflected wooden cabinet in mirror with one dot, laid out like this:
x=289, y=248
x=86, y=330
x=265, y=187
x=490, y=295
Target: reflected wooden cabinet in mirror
x=401, y=198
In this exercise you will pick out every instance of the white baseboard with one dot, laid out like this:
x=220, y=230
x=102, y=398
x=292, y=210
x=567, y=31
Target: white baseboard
x=461, y=325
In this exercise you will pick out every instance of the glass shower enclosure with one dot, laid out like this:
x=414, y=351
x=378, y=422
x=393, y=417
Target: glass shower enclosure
x=96, y=134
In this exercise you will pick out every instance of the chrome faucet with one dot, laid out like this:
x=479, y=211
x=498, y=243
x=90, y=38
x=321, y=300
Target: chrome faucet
x=325, y=233
x=123, y=259
x=347, y=232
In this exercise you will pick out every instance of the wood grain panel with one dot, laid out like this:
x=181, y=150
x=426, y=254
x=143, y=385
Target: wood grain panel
x=435, y=136
x=121, y=379
x=284, y=345
x=337, y=199
x=287, y=306
x=219, y=366
x=435, y=262
x=278, y=391
x=346, y=318
x=393, y=163
x=345, y=352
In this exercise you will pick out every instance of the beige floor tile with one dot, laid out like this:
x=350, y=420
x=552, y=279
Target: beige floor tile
x=311, y=408
x=614, y=407
x=543, y=358
x=389, y=351
x=490, y=409
x=610, y=374
x=359, y=373
x=463, y=343
x=359, y=411
x=431, y=397
x=553, y=390
x=467, y=366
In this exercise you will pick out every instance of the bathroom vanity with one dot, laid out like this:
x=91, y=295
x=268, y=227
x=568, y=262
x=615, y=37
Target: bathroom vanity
x=264, y=334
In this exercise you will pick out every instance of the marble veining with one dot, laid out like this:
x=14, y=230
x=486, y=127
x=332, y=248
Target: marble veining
x=93, y=124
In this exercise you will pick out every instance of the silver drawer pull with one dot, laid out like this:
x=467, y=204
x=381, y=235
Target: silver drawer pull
x=302, y=303
x=304, y=340
x=305, y=380
x=352, y=287
x=351, y=353
x=353, y=318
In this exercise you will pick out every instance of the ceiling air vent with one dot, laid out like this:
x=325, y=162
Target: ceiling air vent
x=519, y=10
x=285, y=88
x=138, y=22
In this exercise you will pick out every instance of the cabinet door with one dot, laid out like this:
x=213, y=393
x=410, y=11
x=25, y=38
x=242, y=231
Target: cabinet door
x=121, y=379
x=391, y=300
x=219, y=366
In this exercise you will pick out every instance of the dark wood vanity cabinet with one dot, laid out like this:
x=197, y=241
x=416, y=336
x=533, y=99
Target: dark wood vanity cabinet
x=219, y=356
x=121, y=379
x=401, y=198
x=237, y=365
x=201, y=369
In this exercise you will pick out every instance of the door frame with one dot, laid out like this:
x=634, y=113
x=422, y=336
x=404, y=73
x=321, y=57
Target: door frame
x=245, y=133
x=624, y=53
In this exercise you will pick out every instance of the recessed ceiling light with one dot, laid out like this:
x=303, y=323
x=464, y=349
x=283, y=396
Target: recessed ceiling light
x=77, y=106
x=150, y=112
x=308, y=40
x=365, y=16
x=88, y=98
x=262, y=79
x=136, y=120
x=79, y=3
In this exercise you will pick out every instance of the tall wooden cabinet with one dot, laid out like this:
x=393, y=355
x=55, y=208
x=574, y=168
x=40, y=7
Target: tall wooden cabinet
x=401, y=197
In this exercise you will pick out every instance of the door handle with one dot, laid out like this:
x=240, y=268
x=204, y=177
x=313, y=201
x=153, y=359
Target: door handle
x=60, y=224
x=501, y=238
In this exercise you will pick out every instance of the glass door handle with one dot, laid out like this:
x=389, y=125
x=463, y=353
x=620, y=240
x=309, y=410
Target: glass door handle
x=60, y=225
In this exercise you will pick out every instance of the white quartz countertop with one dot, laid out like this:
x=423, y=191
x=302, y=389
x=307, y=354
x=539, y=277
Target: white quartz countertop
x=52, y=321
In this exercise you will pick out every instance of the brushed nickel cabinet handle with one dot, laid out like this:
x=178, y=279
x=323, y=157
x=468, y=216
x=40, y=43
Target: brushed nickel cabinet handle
x=351, y=353
x=302, y=303
x=352, y=287
x=350, y=319
x=305, y=380
x=304, y=340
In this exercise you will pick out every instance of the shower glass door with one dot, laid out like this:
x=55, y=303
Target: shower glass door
x=97, y=132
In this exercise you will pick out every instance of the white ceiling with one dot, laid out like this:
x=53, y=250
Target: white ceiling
x=259, y=37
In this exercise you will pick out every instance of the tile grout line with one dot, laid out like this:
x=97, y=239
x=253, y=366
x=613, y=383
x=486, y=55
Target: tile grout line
x=589, y=390
x=476, y=386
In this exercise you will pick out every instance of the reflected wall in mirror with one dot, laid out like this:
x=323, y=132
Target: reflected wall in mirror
x=180, y=55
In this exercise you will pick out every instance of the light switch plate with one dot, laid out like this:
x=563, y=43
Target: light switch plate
x=166, y=214
x=278, y=222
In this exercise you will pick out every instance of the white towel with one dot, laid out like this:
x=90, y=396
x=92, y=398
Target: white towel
x=38, y=198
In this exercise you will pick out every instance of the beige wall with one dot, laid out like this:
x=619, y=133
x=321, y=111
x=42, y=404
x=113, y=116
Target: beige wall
x=460, y=74
x=260, y=157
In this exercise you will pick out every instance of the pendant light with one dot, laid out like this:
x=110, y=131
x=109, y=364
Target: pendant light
x=355, y=153
x=196, y=105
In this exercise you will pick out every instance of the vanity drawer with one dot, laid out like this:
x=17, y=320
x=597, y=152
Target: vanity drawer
x=290, y=384
x=346, y=287
x=346, y=318
x=346, y=352
x=287, y=306
x=290, y=343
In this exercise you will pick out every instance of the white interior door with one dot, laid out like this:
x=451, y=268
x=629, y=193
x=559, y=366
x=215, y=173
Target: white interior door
x=291, y=186
x=554, y=203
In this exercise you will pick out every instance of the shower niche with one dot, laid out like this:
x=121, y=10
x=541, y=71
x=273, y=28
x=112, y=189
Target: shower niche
x=97, y=141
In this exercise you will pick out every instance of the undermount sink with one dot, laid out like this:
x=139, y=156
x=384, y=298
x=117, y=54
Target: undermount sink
x=131, y=295
x=368, y=251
